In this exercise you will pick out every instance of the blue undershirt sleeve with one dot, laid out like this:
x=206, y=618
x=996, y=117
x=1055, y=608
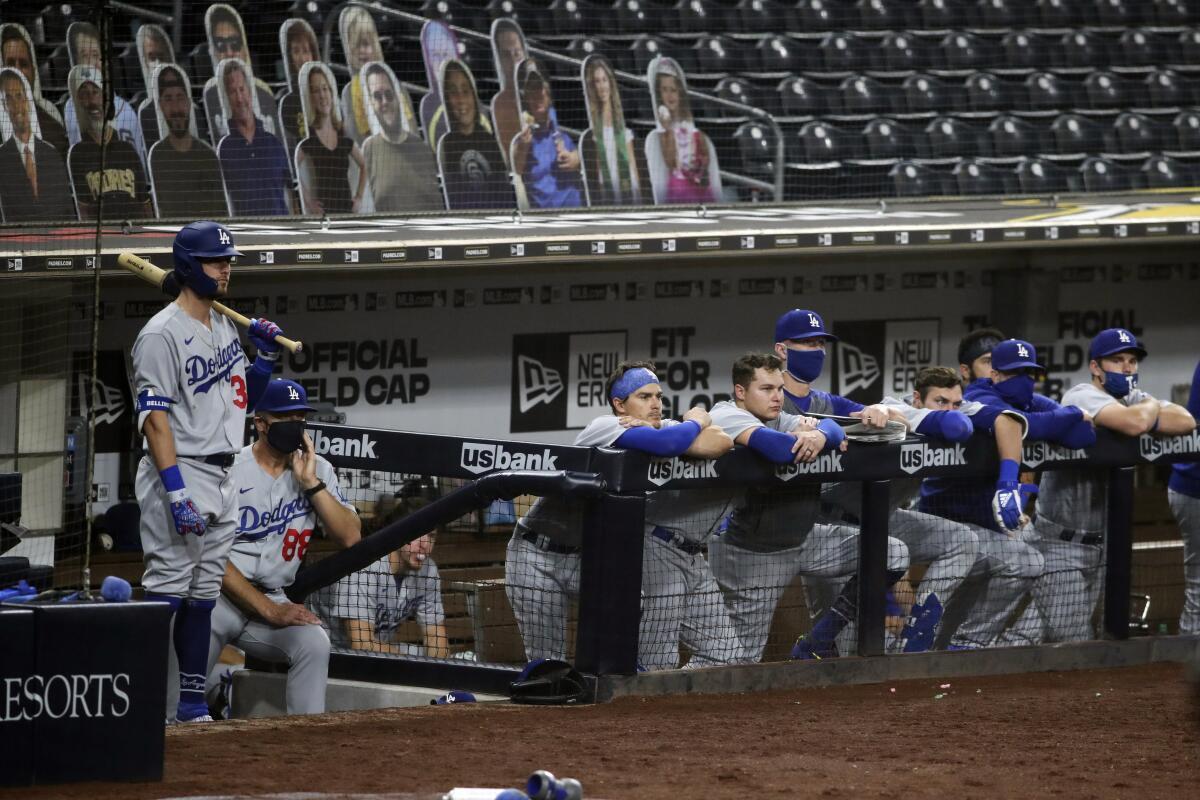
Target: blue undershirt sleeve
x=953, y=426
x=772, y=445
x=663, y=442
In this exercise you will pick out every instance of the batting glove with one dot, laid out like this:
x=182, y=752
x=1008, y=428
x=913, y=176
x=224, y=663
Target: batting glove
x=187, y=518
x=1008, y=503
x=263, y=333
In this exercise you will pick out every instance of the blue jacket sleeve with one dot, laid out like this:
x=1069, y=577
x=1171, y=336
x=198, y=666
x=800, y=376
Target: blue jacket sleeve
x=953, y=426
x=1077, y=435
x=257, y=378
x=843, y=406
x=1047, y=420
x=664, y=442
x=1193, y=403
x=772, y=445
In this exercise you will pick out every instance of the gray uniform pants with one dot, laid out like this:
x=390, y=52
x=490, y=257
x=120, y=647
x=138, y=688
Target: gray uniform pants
x=1187, y=514
x=1065, y=595
x=186, y=566
x=540, y=586
x=682, y=602
x=754, y=582
x=999, y=580
x=304, y=648
x=949, y=548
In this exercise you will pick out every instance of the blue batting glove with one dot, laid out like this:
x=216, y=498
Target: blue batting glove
x=263, y=333
x=1011, y=497
x=187, y=518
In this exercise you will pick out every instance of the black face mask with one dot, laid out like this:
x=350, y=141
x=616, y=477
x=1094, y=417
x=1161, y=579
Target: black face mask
x=286, y=436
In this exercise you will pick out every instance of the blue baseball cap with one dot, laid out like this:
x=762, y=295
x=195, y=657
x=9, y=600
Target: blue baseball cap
x=1115, y=340
x=1014, y=354
x=283, y=395
x=800, y=323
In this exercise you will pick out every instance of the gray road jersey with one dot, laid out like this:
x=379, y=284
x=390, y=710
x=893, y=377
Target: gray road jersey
x=275, y=520
x=558, y=518
x=777, y=518
x=203, y=373
x=1075, y=499
x=375, y=595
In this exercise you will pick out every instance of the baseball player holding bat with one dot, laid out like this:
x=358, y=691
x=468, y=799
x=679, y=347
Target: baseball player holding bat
x=284, y=490
x=193, y=392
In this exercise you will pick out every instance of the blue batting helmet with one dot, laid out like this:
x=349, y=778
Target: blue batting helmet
x=196, y=242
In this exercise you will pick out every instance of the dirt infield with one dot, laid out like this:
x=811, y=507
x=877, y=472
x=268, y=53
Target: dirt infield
x=1106, y=733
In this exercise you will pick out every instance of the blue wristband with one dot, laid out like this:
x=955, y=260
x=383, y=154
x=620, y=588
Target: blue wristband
x=834, y=435
x=1010, y=470
x=172, y=480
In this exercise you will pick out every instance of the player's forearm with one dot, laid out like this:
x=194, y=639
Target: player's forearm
x=361, y=636
x=339, y=523
x=1174, y=420
x=711, y=443
x=159, y=439
x=1131, y=420
x=437, y=644
x=243, y=594
x=1008, y=438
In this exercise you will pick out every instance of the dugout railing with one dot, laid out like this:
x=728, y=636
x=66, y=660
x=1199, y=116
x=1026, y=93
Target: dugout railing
x=612, y=487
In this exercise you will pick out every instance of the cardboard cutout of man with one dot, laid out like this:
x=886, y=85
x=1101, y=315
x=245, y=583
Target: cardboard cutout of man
x=401, y=169
x=35, y=185
x=254, y=164
x=227, y=39
x=681, y=159
x=83, y=47
x=473, y=171
x=508, y=50
x=543, y=155
x=122, y=181
x=360, y=43
x=610, y=159
x=184, y=171
x=17, y=50
x=154, y=48
x=330, y=166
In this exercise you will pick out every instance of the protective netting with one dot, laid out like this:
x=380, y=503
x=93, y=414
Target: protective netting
x=320, y=108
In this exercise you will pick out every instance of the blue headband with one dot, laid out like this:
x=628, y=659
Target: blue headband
x=631, y=381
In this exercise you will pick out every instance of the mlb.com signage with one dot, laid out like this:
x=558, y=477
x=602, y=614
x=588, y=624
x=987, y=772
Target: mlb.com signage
x=478, y=458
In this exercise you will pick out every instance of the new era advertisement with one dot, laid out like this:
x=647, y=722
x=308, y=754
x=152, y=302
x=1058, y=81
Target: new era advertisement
x=558, y=378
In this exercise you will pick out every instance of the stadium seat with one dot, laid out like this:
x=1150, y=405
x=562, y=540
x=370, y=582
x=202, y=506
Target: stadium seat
x=1140, y=49
x=974, y=177
x=763, y=16
x=902, y=52
x=816, y=181
x=925, y=94
x=643, y=50
x=1187, y=131
x=1024, y=50
x=844, y=52
x=886, y=138
x=583, y=46
x=778, y=54
x=881, y=15
x=1001, y=14
x=819, y=142
x=528, y=16
x=1074, y=134
x=1104, y=90
x=1012, y=136
x=1044, y=91
x=818, y=15
x=803, y=97
x=1189, y=49
x=1103, y=175
x=1063, y=13
x=572, y=17
x=1039, y=176
x=950, y=137
x=1166, y=90
x=940, y=15
x=719, y=55
x=199, y=65
x=55, y=19
x=698, y=16
x=863, y=96
x=966, y=51
x=633, y=16
x=910, y=179
x=1164, y=172
x=756, y=149
x=1080, y=50
x=1137, y=133
x=986, y=92
x=1171, y=13
x=737, y=90
x=1119, y=13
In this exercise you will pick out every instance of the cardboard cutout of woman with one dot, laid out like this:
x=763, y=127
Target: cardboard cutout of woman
x=610, y=160
x=226, y=40
x=185, y=175
x=400, y=167
x=332, y=172
x=83, y=47
x=298, y=44
x=153, y=48
x=35, y=185
x=360, y=43
x=543, y=156
x=681, y=160
x=473, y=171
x=16, y=48
x=438, y=45
x=508, y=50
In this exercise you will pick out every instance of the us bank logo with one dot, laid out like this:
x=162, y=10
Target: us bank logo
x=558, y=378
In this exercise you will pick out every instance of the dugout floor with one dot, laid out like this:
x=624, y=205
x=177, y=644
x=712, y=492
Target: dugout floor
x=1118, y=733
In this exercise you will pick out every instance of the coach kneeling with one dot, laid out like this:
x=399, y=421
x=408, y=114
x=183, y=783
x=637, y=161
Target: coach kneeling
x=284, y=488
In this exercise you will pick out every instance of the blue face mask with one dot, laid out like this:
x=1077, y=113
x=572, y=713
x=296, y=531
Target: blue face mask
x=805, y=365
x=1118, y=384
x=1017, y=391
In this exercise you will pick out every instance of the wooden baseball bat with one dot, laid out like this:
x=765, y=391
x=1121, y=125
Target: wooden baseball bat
x=156, y=275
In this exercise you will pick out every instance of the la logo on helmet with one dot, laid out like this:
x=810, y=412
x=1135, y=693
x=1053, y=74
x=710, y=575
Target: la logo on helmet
x=223, y=235
x=292, y=395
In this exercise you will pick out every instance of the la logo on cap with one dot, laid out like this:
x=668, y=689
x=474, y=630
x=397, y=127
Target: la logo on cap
x=813, y=321
x=1022, y=352
x=1124, y=336
x=292, y=394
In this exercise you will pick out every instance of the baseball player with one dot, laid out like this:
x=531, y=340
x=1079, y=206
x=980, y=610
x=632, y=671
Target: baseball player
x=1071, y=503
x=365, y=609
x=284, y=490
x=542, y=562
x=975, y=353
x=193, y=392
x=1183, y=492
